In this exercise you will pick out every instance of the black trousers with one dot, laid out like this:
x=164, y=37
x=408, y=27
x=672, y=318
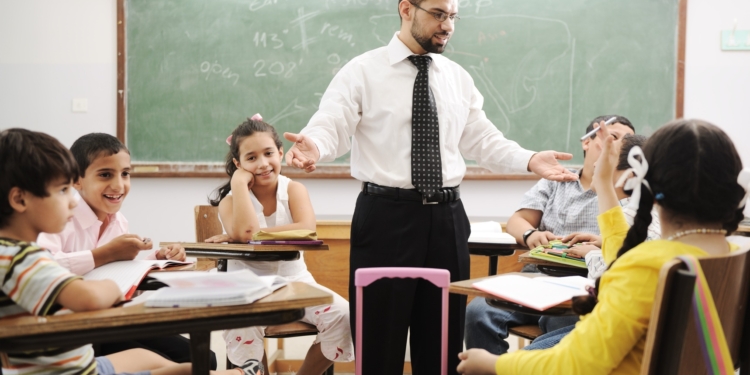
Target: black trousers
x=399, y=233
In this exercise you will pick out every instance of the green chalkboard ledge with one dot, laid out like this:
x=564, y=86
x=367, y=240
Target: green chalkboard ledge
x=323, y=171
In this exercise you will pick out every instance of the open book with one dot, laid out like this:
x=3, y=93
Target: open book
x=489, y=232
x=129, y=273
x=204, y=289
x=539, y=293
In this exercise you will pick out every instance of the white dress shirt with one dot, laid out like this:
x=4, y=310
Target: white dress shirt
x=368, y=107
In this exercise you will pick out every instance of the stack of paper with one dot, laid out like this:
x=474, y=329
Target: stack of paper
x=539, y=293
x=203, y=289
x=489, y=232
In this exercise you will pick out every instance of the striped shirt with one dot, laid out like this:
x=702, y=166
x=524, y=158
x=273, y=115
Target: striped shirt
x=31, y=282
x=566, y=207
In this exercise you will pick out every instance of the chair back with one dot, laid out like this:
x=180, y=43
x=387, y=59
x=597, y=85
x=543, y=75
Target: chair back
x=207, y=222
x=439, y=277
x=672, y=342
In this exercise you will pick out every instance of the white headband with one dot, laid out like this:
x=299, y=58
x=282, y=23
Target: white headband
x=639, y=169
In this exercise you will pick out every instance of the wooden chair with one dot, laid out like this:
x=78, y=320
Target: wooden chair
x=207, y=224
x=672, y=345
x=525, y=332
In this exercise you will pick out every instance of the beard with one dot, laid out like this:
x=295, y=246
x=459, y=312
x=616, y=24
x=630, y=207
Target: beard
x=425, y=41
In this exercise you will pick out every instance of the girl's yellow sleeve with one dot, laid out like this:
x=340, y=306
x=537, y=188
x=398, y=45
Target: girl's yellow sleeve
x=603, y=340
x=614, y=228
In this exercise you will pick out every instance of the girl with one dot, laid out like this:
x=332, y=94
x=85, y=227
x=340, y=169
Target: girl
x=256, y=197
x=691, y=178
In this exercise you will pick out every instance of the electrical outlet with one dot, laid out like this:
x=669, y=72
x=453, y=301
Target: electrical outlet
x=735, y=40
x=80, y=105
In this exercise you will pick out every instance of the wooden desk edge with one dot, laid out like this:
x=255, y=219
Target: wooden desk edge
x=245, y=247
x=294, y=296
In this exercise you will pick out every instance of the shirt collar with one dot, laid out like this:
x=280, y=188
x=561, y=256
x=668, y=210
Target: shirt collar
x=86, y=216
x=398, y=51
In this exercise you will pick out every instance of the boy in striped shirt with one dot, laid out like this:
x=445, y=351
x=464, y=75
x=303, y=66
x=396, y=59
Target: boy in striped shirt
x=36, y=196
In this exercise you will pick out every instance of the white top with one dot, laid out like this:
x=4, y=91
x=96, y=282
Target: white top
x=368, y=107
x=282, y=216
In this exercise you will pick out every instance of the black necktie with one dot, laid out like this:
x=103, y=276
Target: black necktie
x=426, y=173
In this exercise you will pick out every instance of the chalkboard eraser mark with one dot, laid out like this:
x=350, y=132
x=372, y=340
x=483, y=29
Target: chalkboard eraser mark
x=146, y=169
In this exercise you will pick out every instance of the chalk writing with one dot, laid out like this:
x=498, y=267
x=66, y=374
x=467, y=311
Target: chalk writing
x=261, y=40
x=216, y=68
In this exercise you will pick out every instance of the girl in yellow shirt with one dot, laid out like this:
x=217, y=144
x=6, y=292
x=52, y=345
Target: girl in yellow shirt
x=690, y=174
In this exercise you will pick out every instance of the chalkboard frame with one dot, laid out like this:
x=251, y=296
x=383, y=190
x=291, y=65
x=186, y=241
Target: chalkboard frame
x=212, y=170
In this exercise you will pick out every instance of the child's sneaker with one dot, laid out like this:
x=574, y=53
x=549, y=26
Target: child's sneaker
x=252, y=367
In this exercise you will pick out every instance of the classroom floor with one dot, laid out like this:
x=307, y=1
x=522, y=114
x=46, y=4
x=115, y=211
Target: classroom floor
x=217, y=345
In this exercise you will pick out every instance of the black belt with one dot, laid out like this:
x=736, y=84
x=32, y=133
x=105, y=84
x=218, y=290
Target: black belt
x=443, y=195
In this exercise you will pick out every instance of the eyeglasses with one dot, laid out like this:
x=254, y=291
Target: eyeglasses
x=439, y=16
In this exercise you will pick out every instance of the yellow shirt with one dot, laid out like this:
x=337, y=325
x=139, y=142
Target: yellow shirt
x=611, y=339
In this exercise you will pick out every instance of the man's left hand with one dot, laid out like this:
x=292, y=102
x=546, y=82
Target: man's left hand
x=544, y=163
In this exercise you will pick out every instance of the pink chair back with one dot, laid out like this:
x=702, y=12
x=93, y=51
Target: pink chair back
x=439, y=277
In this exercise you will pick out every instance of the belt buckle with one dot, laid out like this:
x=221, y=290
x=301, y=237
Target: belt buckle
x=425, y=202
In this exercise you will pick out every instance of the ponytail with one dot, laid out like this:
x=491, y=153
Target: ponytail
x=223, y=190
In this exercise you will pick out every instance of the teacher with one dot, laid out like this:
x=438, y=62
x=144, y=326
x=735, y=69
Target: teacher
x=410, y=116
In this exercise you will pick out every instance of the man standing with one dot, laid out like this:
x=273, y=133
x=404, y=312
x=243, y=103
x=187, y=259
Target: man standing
x=410, y=116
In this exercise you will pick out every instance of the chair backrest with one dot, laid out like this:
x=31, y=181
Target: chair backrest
x=207, y=222
x=439, y=277
x=672, y=345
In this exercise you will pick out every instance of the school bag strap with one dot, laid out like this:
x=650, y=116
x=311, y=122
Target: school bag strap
x=710, y=332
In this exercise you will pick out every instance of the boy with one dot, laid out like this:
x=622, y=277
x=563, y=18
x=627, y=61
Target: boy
x=36, y=196
x=548, y=211
x=98, y=232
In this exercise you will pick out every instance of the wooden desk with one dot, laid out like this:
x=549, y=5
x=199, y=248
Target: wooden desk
x=466, y=287
x=284, y=305
x=493, y=250
x=244, y=251
x=552, y=268
x=743, y=229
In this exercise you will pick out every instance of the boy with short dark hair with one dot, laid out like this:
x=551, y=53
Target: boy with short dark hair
x=98, y=232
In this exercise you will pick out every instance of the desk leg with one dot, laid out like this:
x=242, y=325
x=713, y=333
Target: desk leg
x=200, y=343
x=493, y=265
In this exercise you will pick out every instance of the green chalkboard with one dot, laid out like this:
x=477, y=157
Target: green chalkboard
x=197, y=68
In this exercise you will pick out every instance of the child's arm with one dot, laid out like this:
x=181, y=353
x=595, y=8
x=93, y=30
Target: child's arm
x=81, y=261
x=236, y=211
x=525, y=219
x=301, y=210
x=89, y=295
x=476, y=362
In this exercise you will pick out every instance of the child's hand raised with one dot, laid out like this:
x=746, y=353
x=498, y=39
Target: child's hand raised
x=241, y=178
x=604, y=168
x=171, y=252
x=476, y=362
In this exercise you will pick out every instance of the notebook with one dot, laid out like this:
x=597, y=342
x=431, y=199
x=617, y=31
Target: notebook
x=129, y=273
x=205, y=289
x=557, y=256
x=489, y=232
x=538, y=293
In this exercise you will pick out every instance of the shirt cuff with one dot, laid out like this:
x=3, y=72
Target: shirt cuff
x=521, y=160
x=79, y=262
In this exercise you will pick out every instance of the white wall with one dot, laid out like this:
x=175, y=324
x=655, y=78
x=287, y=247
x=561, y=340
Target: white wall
x=52, y=51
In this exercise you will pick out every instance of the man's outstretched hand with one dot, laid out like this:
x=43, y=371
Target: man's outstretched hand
x=544, y=163
x=303, y=154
